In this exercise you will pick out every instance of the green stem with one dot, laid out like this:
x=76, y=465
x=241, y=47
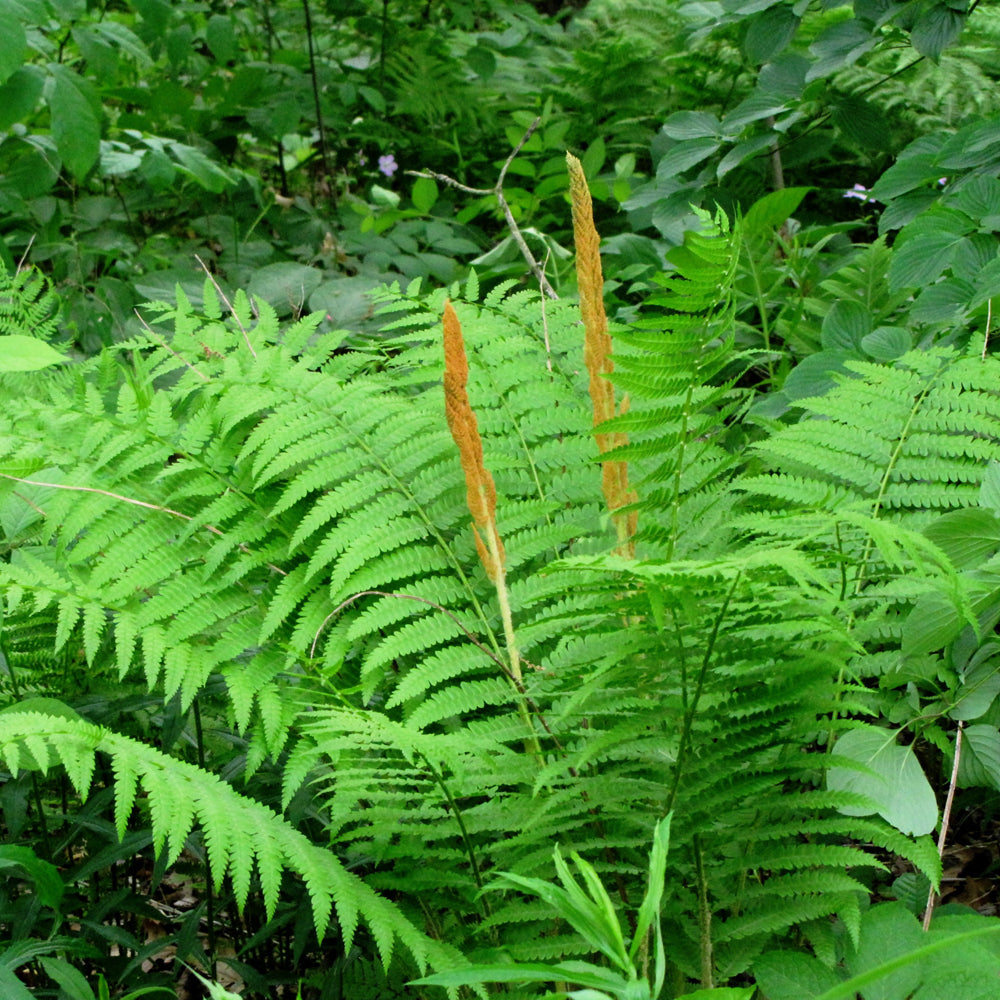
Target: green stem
x=704, y=917
x=209, y=892
x=693, y=707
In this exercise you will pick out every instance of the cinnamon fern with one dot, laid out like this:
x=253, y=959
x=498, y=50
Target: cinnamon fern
x=226, y=511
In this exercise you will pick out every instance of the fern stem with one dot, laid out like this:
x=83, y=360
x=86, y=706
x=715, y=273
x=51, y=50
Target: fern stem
x=470, y=849
x=699, y=687
x=209, y=890
x=704, y=917
x=884, y=485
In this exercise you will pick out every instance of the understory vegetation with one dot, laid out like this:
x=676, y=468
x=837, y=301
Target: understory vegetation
x=499, y=498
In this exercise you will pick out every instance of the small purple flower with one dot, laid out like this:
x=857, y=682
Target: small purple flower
x=859, y=191
x=388, y=165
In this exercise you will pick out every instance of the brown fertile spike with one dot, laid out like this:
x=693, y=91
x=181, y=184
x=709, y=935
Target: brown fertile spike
x=481, y=494
x=597, y=353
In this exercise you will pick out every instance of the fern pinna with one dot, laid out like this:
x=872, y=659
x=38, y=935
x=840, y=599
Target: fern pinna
x=221, y=499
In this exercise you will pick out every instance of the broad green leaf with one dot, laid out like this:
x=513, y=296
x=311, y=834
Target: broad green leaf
x=692, y=125
x=844, y=327
x=785, y=76
x=887, y=931
x=482, y=61
x=931, y=624
x=221, y=38
x=979, y=199
x=861, y=121
x=755, y=108
x=946, y=301
x=69, y=979
x=989, y=491
x=890, y=776
x=593, y=159
x=815, y=374
x=124, y=40
x=285, y=285
x=19, y=353
x=743, y=151
x=75, y=127
x=425, y=194
x=684, y=155
x=12, y=987
x=209, y=174
x=978, y=689
x=968, y=537
x=866, y=981
x=385, y=197
x=886, y=343
x=979, y=761
x=926, y=248
x=768, y=33
x=936, y=28
x=839, y=45
x=913, y=169
x=49, y=885
x=20, y=95
x=793, y=975
x=13, y=43
x=773, y=210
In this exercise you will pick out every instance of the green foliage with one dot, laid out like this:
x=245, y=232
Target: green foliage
x=229, y=499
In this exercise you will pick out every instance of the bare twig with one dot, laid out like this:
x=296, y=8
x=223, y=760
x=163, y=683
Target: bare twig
x=497, y=191
x=24, y=256
x=945, y=818
x=134, y=502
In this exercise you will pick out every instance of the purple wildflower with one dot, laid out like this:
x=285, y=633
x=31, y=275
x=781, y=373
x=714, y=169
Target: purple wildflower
x=859, y=191
x=388, y=165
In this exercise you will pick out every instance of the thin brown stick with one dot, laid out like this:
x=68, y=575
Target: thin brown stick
x=135, y=503
x=945, y=818
x=229, y=305
x=497, y=191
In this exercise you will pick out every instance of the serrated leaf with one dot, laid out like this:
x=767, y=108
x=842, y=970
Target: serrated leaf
x=683, y=156
x=692, y=125
x=887, y=343
x=979, y=761
x=773, y=210
x=75, y=128
x=936, y=28
x=769, y=32
x=19, y=353
x=861, y=121
x=792, y=975
x=845, y=326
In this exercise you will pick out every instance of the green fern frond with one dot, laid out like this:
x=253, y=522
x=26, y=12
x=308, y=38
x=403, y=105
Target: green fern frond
x=241, y=835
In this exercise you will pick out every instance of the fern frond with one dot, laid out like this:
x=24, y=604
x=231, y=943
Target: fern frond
x=241, y=835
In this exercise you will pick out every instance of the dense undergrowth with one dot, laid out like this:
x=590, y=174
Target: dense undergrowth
x=378, y=619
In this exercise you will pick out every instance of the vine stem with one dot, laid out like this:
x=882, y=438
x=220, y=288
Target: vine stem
x=945, y=818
